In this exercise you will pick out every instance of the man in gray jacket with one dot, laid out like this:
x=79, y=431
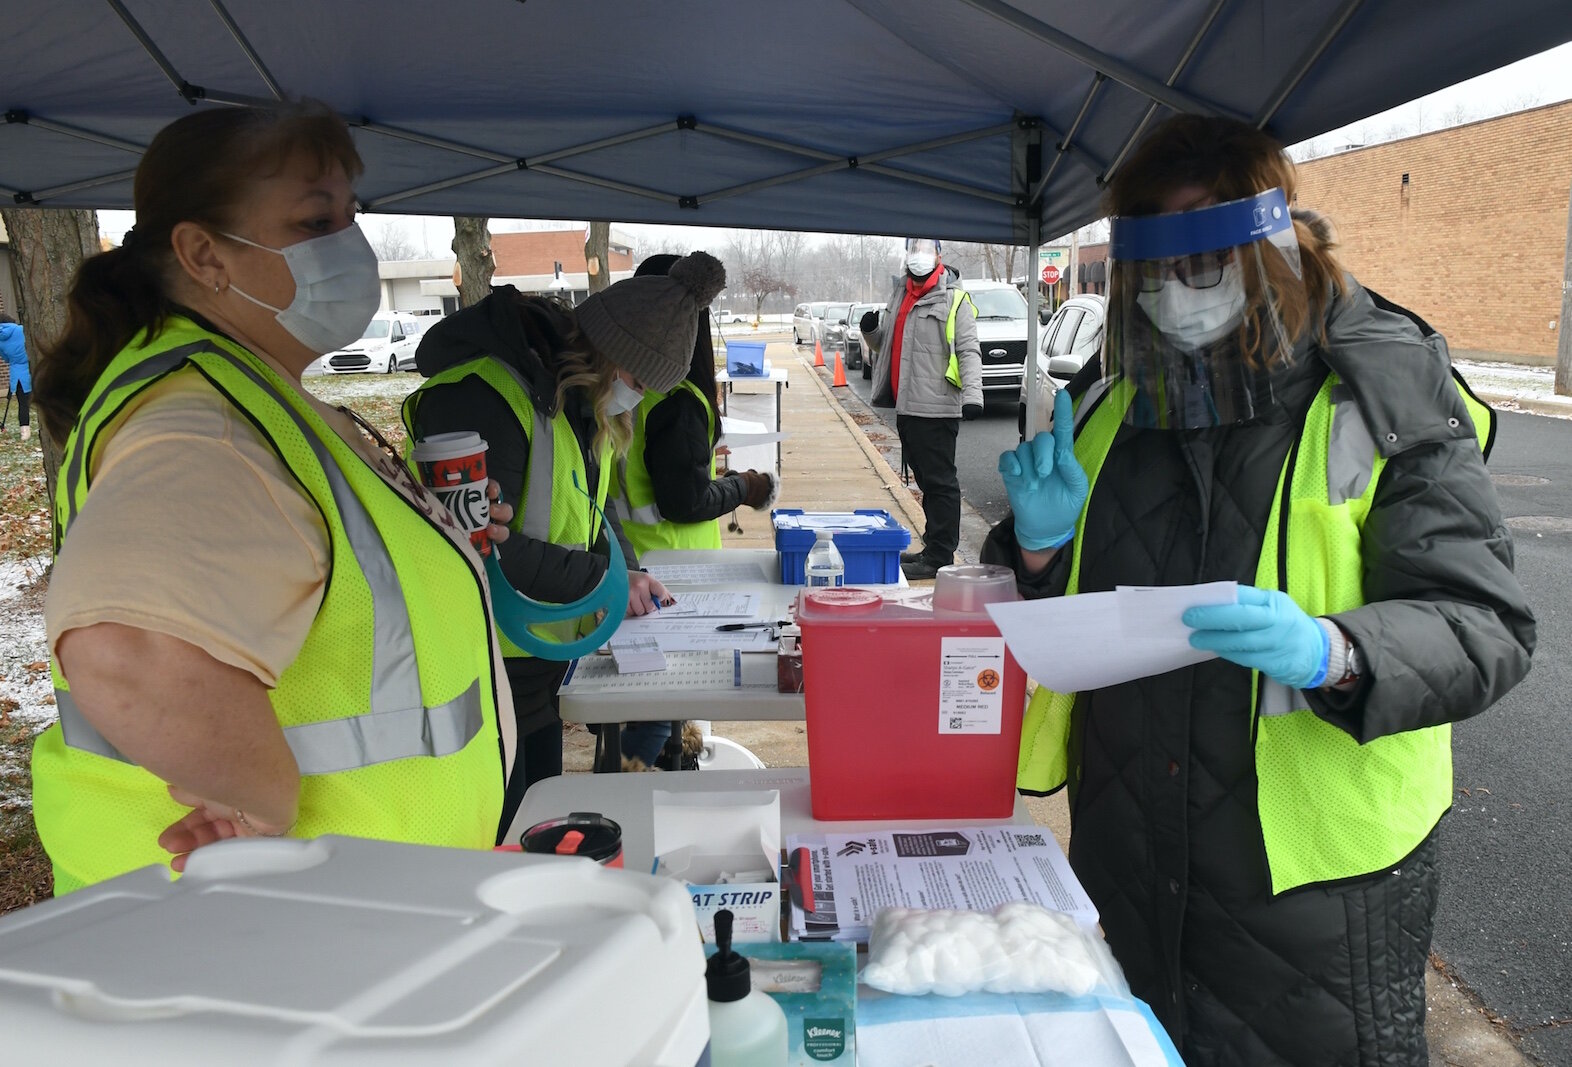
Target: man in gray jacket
x=929, y=369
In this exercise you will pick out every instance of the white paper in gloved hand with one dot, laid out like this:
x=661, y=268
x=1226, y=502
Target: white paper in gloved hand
x=1020, y=948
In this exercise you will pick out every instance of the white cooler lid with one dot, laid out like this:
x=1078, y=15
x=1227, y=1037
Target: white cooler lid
x=329, y=944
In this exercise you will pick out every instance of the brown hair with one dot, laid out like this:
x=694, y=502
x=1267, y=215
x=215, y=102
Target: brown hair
x=1231, y=160
x=200, y=169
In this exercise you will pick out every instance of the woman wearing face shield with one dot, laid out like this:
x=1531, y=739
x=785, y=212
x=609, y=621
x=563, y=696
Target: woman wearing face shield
x=244, y=577
x=1259, y=830
x=513, y=367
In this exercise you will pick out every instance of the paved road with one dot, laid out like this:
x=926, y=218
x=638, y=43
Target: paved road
x=1504, y=925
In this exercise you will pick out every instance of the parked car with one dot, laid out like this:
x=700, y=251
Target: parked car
x=832, y=329
x=725, y=317
x=422, y=323
x=1001, y=333
x=805, y=320
x=1073, y=336
x=856, y=351
x=391, y=337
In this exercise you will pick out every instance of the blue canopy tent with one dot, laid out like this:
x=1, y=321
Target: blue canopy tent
x=964, y=119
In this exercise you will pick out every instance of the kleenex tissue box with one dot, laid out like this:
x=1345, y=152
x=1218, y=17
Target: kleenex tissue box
x=815, y=983
x=726, y=847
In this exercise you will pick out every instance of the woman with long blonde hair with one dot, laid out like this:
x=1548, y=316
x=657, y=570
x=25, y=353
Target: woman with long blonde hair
x=514, y=367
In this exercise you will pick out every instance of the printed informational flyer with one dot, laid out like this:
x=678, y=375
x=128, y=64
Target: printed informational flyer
x=970, y=869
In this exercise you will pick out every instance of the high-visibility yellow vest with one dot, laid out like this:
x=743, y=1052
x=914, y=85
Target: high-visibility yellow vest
x=390, y=706
x=636, y=508
x=953, y=373
x=554, y=499
x=1330, y=807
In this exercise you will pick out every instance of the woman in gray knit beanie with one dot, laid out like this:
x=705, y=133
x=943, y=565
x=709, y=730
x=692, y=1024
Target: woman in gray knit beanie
x=513, y=362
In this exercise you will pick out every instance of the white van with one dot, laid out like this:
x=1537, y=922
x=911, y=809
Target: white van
x=388, y=345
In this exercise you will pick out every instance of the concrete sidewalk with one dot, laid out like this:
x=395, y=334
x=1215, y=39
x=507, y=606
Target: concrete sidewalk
x=828, y=463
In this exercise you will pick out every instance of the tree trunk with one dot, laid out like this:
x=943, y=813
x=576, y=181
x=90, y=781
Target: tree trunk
x=47, y=246
x=476, y=264
x=597, y=255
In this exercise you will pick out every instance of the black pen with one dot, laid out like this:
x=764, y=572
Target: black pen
x=732, y=626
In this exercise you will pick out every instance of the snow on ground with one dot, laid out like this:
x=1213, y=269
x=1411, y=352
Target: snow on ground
x=27, y=694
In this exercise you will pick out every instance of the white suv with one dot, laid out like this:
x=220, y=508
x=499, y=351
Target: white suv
x=1001, y=333
x=806, y=320
x=388, y=344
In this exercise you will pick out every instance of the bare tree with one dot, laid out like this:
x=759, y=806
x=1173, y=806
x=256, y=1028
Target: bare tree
x=759, y=283
x=476, y=264
x=597, y=255
x=391, y=241
x=46, y=249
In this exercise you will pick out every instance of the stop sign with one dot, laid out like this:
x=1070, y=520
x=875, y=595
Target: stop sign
x=1050, y=274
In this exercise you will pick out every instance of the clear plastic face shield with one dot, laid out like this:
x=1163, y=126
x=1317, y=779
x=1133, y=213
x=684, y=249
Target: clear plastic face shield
x=922, y=255
x=1193, y=322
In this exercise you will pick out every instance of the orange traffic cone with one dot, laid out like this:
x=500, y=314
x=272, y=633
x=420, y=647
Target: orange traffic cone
x=818, y=351
x=840, y=371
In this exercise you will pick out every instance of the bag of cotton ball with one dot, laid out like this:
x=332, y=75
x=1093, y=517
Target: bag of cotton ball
x=1020, y=948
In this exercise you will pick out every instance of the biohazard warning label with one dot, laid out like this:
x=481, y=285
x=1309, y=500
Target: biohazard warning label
x=971, y=685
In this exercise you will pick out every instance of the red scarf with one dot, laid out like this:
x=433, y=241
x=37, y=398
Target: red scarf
x=915, y=291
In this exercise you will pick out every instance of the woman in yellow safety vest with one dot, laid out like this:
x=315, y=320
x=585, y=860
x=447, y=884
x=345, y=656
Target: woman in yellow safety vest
x=1258, y=829
x=667, y=493
x=551, y=389
x=244, y=580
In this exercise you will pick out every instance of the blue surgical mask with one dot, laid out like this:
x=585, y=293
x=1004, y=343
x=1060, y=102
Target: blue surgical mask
x=336, y=288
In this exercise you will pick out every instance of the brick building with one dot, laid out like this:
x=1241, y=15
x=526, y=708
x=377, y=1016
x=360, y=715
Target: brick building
x=1467, y=226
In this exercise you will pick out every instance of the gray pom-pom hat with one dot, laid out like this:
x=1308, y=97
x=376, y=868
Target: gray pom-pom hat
x=647, y=325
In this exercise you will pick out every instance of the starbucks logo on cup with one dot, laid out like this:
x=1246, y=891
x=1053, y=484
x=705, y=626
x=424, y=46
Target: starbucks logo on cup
x=453, y=467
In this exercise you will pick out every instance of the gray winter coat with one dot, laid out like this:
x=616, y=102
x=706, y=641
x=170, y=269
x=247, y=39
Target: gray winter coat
x=925, y=356
x=1166, y=834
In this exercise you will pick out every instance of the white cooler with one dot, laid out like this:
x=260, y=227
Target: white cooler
x=348, y=951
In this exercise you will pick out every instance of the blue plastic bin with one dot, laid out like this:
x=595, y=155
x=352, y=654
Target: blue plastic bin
x=744, y=358
x=871, y=555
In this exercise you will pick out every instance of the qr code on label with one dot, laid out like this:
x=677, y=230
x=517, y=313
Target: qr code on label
x=1030, y=841
x=957, y=722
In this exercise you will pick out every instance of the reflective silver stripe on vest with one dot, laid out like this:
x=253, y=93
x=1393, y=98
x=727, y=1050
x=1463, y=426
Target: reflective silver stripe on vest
x=1088, y=404
x=336, y=744
x=403, y=727
x=542, y=472
x=1279, y=699
x=1351, y=451
x=648, y=515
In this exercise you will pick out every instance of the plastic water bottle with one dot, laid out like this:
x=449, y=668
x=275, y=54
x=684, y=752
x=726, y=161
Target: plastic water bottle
x=825, y=566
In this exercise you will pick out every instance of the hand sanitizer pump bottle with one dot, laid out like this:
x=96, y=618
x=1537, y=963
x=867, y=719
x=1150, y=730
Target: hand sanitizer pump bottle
x=747, y=1029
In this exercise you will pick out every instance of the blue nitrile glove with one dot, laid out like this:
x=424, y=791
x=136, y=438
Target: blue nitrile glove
x=1267, y=632
x=1045, y=482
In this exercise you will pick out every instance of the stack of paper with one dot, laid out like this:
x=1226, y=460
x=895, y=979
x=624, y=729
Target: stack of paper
x=970, y=868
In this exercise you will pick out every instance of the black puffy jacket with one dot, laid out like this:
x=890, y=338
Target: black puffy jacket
x=1166, y=836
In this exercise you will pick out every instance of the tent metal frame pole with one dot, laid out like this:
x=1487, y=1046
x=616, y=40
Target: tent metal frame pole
x=1067, y=142
x=245, y=46
x=604, y=142
x=432, y=142
x=40, y=195
x=1179, y=68
x=940, y=183
x=1307, y=62
x=181, y=85
x=854, y=164
x=1120, y=72
x=1034, y=303
x=438, y=186
x=607, y=183
x=22, y=118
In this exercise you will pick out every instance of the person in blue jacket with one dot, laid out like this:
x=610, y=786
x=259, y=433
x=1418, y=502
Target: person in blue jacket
x=13, y=346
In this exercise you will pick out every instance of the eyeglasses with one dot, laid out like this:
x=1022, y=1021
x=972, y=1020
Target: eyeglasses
x=1202, y=270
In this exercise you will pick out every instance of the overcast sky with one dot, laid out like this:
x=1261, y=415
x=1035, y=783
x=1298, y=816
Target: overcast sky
x=1542, y=79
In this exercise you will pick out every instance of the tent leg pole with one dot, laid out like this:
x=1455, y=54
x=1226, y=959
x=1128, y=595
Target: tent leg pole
x=1033, y=303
